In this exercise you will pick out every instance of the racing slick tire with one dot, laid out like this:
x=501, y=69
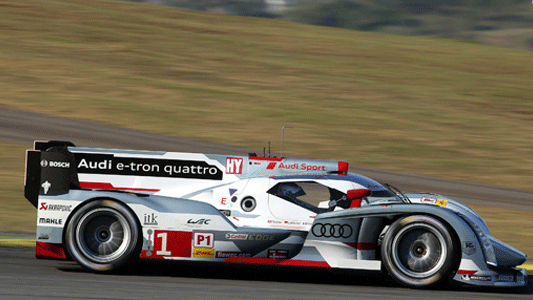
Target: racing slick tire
x=103, y=236
x=419, y=251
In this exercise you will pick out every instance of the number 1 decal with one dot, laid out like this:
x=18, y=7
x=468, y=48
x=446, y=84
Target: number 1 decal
x=168, y=243
x=163, y=251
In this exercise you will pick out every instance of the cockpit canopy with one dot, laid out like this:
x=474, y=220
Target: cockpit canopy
x=311, y=191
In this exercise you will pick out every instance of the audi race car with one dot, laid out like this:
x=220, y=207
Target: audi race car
x=106, y=208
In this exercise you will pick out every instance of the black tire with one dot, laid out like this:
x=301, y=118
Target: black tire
x=103, y=236
x=419, y=251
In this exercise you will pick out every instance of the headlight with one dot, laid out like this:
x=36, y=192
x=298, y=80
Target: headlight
x=486, y=244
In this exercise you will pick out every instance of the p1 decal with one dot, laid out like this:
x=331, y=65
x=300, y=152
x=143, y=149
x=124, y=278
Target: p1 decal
x=234, y=165
x=166, y=243
x=204, y=240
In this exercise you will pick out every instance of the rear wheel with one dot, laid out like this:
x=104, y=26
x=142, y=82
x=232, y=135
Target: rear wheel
x=419, y=251
x=103, y=236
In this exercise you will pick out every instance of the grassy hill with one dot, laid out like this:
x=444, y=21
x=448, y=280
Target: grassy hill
x=492, y=22
x=431, y=106
x=424, y=105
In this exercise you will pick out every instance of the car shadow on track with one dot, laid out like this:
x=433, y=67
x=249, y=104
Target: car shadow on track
x=267, y=273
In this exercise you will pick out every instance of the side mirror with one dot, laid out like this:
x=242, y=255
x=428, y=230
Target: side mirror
x=356, y=196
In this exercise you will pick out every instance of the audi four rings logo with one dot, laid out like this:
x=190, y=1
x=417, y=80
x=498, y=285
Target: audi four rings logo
x=332, y=230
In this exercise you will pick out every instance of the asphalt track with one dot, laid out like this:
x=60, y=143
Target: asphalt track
x=24, y=277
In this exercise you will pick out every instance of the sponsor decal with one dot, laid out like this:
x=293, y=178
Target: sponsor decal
x=46, y=186
x=234, y=165
x=55, y=164
x=274, y=222
x=430, y=200
x=271, y=166
x=109, y=164
x=51, y=221
x=506, y=278
x=283, y=254
x=261, y=237
x=235, y=236
x=224, y=201
x=55, y=207
x=469, y=247
x=203, y=240
x=328, y=230
x=231, y=192
x=250, y=237
x=301, y=167
x=442, y=202
x=226, y=212
x=222, y=254
x=475, y=277
x=43, y=237
x=150, y=219
x=203, y=252
x=199, y=222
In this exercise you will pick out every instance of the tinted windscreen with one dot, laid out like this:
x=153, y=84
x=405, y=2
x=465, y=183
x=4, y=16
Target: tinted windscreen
x=383, y=196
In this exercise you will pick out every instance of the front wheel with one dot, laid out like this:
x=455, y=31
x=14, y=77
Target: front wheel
x=103, y=236
x=419, y=251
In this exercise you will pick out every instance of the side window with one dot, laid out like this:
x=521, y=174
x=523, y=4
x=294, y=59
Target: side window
x=306, y=194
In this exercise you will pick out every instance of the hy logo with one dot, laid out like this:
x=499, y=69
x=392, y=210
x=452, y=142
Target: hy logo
x=234, y=165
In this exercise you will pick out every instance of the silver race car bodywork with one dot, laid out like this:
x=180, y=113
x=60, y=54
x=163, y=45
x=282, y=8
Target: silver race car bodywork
x=105, y=208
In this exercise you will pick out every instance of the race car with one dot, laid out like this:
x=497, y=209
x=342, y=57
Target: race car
x=106, y=208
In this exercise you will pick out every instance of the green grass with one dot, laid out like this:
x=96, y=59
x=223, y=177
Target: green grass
x=430, y=106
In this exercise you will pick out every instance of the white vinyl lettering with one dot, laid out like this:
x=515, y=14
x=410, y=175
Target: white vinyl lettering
x=163, y=250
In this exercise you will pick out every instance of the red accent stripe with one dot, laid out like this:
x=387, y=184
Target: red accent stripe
x=362, y=246
x=109, y=186
x=366, y=246
x=278, y=262
x=466, y=272
x=353, y=245
x=47, y=250
x=265, y=158
x=271, y=166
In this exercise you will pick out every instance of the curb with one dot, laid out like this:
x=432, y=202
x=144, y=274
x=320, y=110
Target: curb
x=528, y=267
x=17, y=242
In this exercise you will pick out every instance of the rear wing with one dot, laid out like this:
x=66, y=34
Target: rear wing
x=49, y=170
x=55, y=167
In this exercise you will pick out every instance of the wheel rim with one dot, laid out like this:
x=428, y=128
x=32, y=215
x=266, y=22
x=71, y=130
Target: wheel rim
x=103, y=235
x=419, y=250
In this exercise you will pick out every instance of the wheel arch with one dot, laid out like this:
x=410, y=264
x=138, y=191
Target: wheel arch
x=453, y=232
x=449, y=226
x=87, y=202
